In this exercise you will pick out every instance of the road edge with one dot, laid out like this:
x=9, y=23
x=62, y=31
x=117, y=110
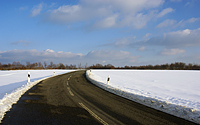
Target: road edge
x=18, y=93
x=176, y=110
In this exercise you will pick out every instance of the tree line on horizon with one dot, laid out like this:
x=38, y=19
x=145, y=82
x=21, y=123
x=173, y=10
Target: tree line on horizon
x=39, y=65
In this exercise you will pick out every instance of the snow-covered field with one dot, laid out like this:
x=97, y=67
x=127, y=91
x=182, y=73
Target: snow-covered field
x=176, y=92
x=14, y=83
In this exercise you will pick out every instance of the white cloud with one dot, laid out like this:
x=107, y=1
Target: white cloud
x=177, y=39
x=174, y=23
x=184, y=22
x=108, y=13
x=192, y=20
x=107, y=22
x=36, y=10
x=141, y=48
x=52, y=51
x=140, y=20
x=121, y=42
x=37, y=56
x=147, y=35
x=171, y=22
x=175, y=0
x=23, y=8
x=165, y=11
x=67, y=9
x=166, y=23
x=25, y=43
x=76, y=13
x=125, y=6
x=114, y=57
x=181, y=38
x=169, y=52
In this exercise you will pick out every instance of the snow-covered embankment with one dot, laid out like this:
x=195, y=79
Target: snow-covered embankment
x=190, y=114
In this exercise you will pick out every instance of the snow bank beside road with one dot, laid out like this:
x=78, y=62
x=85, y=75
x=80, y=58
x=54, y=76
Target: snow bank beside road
x=173, y=92
x=13, y=84
x=12, y=98
x=13, y=79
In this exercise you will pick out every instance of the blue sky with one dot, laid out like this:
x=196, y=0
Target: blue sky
x=118, y=32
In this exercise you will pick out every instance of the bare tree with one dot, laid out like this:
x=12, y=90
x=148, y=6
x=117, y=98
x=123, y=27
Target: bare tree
x=40, y=65
x=45, y=65
x=28, y=65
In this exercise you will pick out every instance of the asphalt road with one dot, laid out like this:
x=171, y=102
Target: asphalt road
x=71, y=99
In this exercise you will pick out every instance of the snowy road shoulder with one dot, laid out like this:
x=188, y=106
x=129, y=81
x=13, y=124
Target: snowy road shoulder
x=12, y=98
x=170, y=104
x=14, y=94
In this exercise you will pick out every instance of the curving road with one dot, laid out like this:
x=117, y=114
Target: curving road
x=71, y=99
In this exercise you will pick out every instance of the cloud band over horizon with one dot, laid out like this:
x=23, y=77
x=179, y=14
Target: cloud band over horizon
x=93, y=57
